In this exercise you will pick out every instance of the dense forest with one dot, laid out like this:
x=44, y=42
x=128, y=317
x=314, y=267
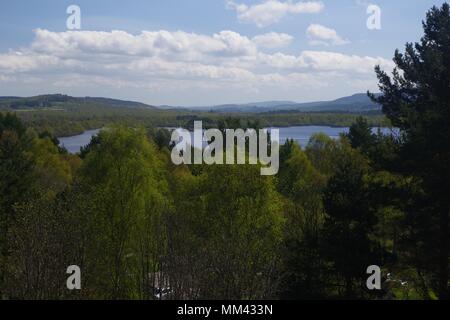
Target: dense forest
x=140, y=227
x=64, y=116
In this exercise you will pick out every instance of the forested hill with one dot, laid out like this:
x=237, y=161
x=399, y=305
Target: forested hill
x=64, y=115
x=357, y=103
x=58, y=100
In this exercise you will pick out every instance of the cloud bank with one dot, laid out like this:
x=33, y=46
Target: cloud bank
x=181, y=67
x=321, y=35
x=270, y=12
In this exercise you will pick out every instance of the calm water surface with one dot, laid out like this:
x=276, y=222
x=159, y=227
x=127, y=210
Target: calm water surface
x=301, y=134
x=73, y=144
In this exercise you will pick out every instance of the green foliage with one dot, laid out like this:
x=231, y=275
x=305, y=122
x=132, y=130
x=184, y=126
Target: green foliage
x=29, y=166
x=416, y=100
x=349, y=222
x=302, y=185
x=322, y=152
x=73, y=116
x=126, y=180
x=16, y=163
x=141, y=228
x=162, y=138
x=360, y=134
x=232, y=215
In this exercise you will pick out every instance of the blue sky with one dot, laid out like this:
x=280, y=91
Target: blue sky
x=201, y=52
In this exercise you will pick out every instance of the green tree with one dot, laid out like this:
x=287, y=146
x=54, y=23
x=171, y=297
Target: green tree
x=226, y=233
x=323, y=151
x=417, y=100
x=303, y=268
x=162, y=138
x=349, y=222
x=16, y=176
x=127, y=182
x=360, y=134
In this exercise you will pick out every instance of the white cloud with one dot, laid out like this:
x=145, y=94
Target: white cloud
x=147, y=43
x=273, y=40
x=165, y=65
x=332, y=61
x=269, y=12
x=18, y=62
x=321, y=35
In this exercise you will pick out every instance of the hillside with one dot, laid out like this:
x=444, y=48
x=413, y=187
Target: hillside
x=357, y=103
x=58, y=100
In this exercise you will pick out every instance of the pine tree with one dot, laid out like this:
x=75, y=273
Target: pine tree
x=417, y=100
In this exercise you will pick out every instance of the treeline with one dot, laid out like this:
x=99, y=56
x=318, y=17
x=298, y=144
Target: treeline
x=71, y=117
x=44, y=101
x=141, y=228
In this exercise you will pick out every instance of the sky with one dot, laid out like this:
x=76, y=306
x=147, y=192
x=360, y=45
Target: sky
x=202, y=52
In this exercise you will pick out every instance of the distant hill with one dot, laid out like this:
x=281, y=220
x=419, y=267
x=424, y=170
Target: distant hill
x=54, y=100
x=357, y=103
x=119, y=103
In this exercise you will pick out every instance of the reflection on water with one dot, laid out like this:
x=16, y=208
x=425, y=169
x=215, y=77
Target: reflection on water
x=73, y=144
x=301, y=134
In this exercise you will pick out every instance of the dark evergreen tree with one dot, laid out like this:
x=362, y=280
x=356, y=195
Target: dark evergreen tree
x=350, y=220
x=16, y=176
x=417, y=100
x=360, y=134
